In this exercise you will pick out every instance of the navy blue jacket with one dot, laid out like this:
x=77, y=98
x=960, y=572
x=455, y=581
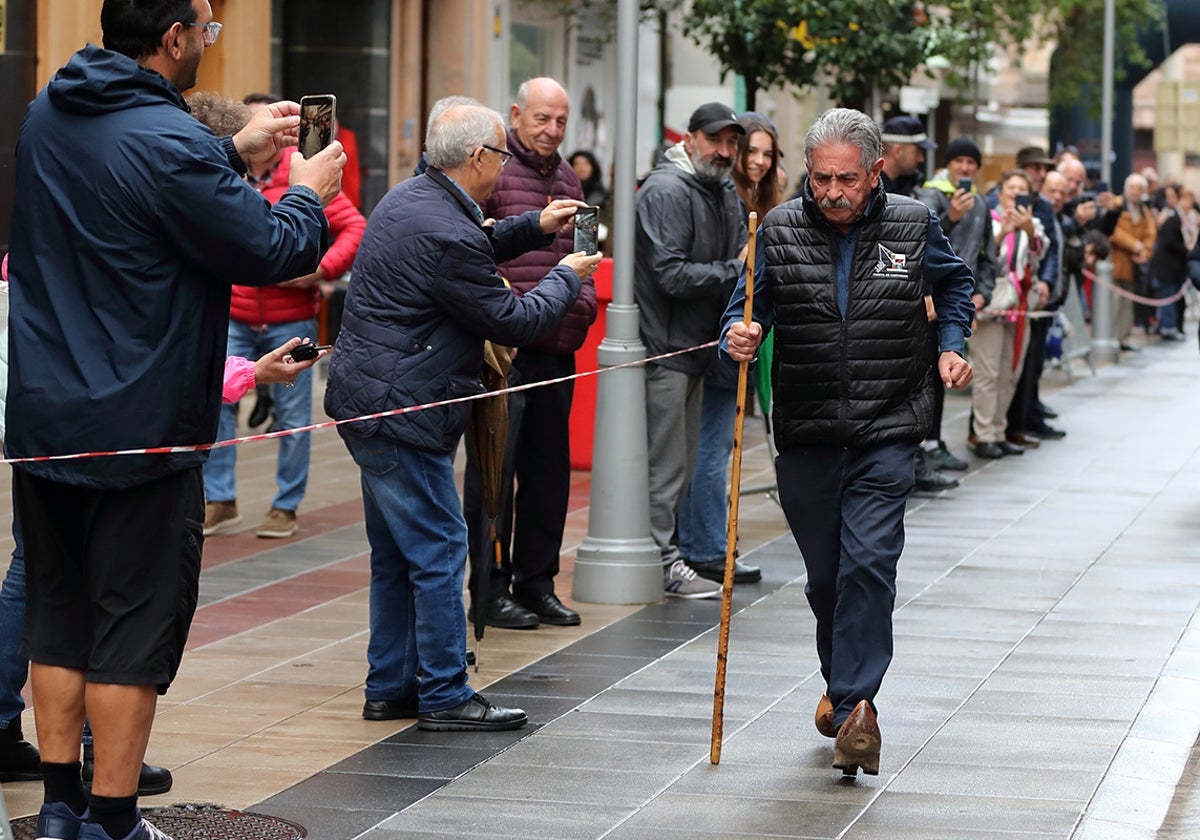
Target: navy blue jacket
x=130, y=226
x=425, y=296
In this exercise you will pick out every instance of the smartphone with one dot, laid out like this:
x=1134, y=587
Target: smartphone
x=308, y=350
x=317, y=120
x=1025, y=200
x=587, y=224
x=1102, y=187
x=964, y=184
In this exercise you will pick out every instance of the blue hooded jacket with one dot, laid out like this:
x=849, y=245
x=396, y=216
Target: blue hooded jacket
x=130, y=225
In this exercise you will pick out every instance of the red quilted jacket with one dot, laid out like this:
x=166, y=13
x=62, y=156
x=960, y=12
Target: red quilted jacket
x=275, y=305
x=527, y=183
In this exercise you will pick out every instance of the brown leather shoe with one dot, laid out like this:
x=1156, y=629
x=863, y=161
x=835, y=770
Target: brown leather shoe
x=858, y=742
x=1023, y=439
x=824, y=717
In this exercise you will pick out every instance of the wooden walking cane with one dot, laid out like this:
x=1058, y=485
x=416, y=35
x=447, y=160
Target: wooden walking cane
x=735, y=488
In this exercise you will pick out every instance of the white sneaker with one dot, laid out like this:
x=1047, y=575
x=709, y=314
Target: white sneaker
x=679, y=581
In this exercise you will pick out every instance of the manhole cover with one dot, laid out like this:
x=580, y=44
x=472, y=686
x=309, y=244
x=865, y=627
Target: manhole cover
x=194, y=821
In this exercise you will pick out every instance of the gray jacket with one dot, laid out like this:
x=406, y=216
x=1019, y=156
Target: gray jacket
x=689, y=234
x=971, y=237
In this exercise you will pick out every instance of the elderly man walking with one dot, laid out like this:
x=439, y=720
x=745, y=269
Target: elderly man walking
x=426, y=294
x=843, y=271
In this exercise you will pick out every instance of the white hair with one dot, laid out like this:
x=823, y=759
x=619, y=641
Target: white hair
x=445, y=104
x=457, y=131
x=845, y=126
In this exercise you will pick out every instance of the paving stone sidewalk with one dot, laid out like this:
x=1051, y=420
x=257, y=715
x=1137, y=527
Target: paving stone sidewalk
x=1044, y=685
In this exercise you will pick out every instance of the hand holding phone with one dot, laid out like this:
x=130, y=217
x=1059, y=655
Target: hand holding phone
x=317, y=123
x=965, y=184
x=308, y=350
x=587, y=226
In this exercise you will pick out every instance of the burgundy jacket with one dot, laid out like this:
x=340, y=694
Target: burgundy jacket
x=275, y=305
x=527, y=183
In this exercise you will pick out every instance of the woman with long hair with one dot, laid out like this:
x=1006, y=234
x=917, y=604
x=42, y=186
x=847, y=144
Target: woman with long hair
x=755, y=172
x=701, y=521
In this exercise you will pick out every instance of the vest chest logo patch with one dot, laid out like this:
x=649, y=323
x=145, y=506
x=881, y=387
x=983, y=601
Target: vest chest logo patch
x=891, y=264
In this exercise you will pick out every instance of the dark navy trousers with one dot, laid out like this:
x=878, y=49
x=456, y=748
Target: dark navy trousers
x=845, y=507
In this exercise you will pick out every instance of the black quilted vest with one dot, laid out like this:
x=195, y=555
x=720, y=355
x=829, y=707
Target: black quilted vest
x=866, y=378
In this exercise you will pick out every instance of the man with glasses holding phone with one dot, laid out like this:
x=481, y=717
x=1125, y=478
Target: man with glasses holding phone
x=426, y=295
x=133, y=221
x=538, y=451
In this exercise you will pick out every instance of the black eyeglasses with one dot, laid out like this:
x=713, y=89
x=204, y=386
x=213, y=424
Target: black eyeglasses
x=210, y=33
x=505, y=154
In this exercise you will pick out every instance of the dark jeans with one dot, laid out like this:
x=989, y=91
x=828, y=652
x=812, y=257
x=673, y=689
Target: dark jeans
x=845, y=507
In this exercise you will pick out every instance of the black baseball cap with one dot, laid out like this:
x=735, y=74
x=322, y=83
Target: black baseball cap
x=711, y=117
x=906, y=129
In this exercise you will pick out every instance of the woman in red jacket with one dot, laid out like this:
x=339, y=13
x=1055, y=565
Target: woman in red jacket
x=262, y=319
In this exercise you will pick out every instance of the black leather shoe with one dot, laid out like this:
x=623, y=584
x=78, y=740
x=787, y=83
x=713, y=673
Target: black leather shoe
x=470, y=657
x=988, y=450
x=389, y=710
x=19, y=759
x=1046, y=411
x=715, y=570
x=550, y=610
x=1048, y=432
x=932, y=481
x=1011, y=448
x=507, y=614
x=152, y=781
x=475, y=715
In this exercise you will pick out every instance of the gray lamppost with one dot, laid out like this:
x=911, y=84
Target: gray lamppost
x=618, y=562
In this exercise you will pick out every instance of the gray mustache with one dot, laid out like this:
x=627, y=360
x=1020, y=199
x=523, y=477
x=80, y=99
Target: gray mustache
x=842, y=203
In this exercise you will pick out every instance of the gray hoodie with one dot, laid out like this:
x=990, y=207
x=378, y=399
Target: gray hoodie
x=689, y=234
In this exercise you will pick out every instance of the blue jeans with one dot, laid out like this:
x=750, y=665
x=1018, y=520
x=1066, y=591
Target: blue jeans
x=418, y=537
x=293, y=408
x=14, y=667
x=1168, y=316
x=705, y=508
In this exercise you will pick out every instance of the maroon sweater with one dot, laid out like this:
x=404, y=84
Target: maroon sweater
x=525, y=184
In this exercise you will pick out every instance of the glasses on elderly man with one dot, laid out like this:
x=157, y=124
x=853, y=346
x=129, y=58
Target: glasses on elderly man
x=505, y=154
x=211, y=31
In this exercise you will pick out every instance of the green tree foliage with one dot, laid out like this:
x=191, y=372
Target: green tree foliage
x=856, y=46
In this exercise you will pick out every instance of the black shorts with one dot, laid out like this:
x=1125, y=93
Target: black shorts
x=111, y=575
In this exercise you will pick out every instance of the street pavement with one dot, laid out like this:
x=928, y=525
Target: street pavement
x=1045, y=680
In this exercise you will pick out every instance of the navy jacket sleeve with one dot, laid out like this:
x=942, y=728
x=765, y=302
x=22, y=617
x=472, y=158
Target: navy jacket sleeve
x=229, y=229
x=764, y=309
x=951, y=284
x=479, y=301
x=517, y=235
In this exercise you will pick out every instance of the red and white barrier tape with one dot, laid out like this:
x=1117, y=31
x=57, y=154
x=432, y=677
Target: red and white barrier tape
x=202, y=447
x=1167, y=301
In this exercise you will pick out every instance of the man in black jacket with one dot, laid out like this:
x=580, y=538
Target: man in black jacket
x=841, y=275
x=133, y=222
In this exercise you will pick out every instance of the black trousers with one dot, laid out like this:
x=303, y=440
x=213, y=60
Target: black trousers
x=845, y=507
x=538, y=459
x=1023, y=412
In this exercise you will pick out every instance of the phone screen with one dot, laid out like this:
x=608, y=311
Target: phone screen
x=587, y=224
x=316, y=123
x=1025, y=200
